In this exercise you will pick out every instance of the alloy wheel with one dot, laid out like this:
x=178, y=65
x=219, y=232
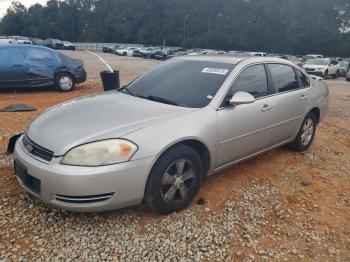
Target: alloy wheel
x=307, y=133
x=178, y=181
x=65, y=83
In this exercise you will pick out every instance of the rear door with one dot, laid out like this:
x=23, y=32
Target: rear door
x=41, y=66
x=12, y=67
x=290, y=101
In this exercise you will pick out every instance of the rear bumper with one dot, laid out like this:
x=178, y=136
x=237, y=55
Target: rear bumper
x=83, y=189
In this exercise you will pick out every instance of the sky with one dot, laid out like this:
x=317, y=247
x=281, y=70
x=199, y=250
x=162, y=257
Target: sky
x=4, y=4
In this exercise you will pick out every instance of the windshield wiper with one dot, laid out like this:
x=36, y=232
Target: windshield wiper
x=161, y=100
x=125, y=88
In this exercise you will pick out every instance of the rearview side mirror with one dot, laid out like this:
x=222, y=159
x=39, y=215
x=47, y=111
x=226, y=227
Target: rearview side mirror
x=242, y=98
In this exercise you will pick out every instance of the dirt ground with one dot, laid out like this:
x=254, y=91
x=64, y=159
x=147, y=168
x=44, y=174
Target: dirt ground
x=308, y=219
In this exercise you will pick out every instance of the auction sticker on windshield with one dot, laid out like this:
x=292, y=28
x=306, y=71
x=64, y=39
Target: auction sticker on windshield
x=217, y=71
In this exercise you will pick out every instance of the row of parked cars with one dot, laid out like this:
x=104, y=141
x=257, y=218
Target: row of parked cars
x=51, y=43
x=314, y=64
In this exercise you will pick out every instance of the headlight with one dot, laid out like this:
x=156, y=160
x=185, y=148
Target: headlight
x=101, y=153
x=319, y=69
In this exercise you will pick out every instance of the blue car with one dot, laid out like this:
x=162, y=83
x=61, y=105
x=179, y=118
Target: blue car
x=37, y=66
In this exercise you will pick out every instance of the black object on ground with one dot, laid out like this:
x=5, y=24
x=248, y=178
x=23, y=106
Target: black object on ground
x=11, y=144
x=201, y=201
x=110, y=80
x=18, y=108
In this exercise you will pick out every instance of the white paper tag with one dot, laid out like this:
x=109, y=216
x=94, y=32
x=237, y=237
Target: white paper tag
x=217, y=71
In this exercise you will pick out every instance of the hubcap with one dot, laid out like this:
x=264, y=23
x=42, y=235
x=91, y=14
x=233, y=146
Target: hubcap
x=308, y=131
x=65, y=83
x=178, y=181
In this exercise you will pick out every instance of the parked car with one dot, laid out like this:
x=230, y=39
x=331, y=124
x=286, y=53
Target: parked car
x=119, y=148
x=296, y=60
x=323, y=67
x=108, y=49
x=126, y=51
x=161, y=55
x=348, y=76
x=37, y=41
x=149, y=52
x=36, y=66
x=5, y=40
x=22, y=40
x=68, y=45
x=54, y=44
x=313, y=56
x=344, y=68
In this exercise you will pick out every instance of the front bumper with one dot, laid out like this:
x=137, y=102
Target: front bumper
x=84, y=189
x=316, y=73
x=81, y=77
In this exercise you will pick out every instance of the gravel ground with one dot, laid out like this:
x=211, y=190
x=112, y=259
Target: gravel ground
x=281, y=206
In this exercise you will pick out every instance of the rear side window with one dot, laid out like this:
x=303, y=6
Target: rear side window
x=284, y=78
x=11, y=56
x=39, y=56
x=252, y=80
x=305, y=81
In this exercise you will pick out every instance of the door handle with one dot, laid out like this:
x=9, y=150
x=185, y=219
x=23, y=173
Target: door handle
x=266, y=108
x=303, y=97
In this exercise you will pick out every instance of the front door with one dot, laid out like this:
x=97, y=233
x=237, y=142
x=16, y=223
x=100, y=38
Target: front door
x=245, y=129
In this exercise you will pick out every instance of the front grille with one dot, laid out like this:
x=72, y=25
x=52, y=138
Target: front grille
x=310, y=69
x=95, y=199
x=36, y=150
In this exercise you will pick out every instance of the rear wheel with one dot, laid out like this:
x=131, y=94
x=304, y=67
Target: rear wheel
x=306, y=134
x=174, y=180
x=64, y=82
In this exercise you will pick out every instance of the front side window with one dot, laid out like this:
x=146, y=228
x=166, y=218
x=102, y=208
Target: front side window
x=252, y=80
x=284, y=78
x=305, y=81
x=186, y=83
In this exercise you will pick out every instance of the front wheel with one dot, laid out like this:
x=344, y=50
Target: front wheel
x=306, y=134
x=174, y=180
x=325, y=75
x=64, y=82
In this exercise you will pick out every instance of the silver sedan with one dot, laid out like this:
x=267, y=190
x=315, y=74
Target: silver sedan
x=157, y=138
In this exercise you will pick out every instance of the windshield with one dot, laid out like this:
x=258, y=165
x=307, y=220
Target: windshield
x=182, y=82
x=317, y=62
x=344, y=64
x=294, y=59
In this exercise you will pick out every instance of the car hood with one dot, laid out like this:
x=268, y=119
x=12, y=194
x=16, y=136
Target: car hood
x=97, y=117
x=314, y=66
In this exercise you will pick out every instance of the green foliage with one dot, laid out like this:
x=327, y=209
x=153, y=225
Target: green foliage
x=280, y=26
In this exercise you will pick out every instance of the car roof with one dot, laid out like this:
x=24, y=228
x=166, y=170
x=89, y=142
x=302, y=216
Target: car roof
x=233, y=58
x=26, y=46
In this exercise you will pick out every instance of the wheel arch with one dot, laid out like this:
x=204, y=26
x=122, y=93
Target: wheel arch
x=201, y=148
x=68, y=73
x=316, y=111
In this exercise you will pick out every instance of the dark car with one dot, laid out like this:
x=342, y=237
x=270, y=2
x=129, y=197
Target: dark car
x=37, y=41
x=37, y=66
x=54, y=44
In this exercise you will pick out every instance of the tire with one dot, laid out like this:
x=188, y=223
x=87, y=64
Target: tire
x=64, y=82
x=348, y=79
x=305, y=135
x=325, y=75
x=335, y=76
x=174, y=180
